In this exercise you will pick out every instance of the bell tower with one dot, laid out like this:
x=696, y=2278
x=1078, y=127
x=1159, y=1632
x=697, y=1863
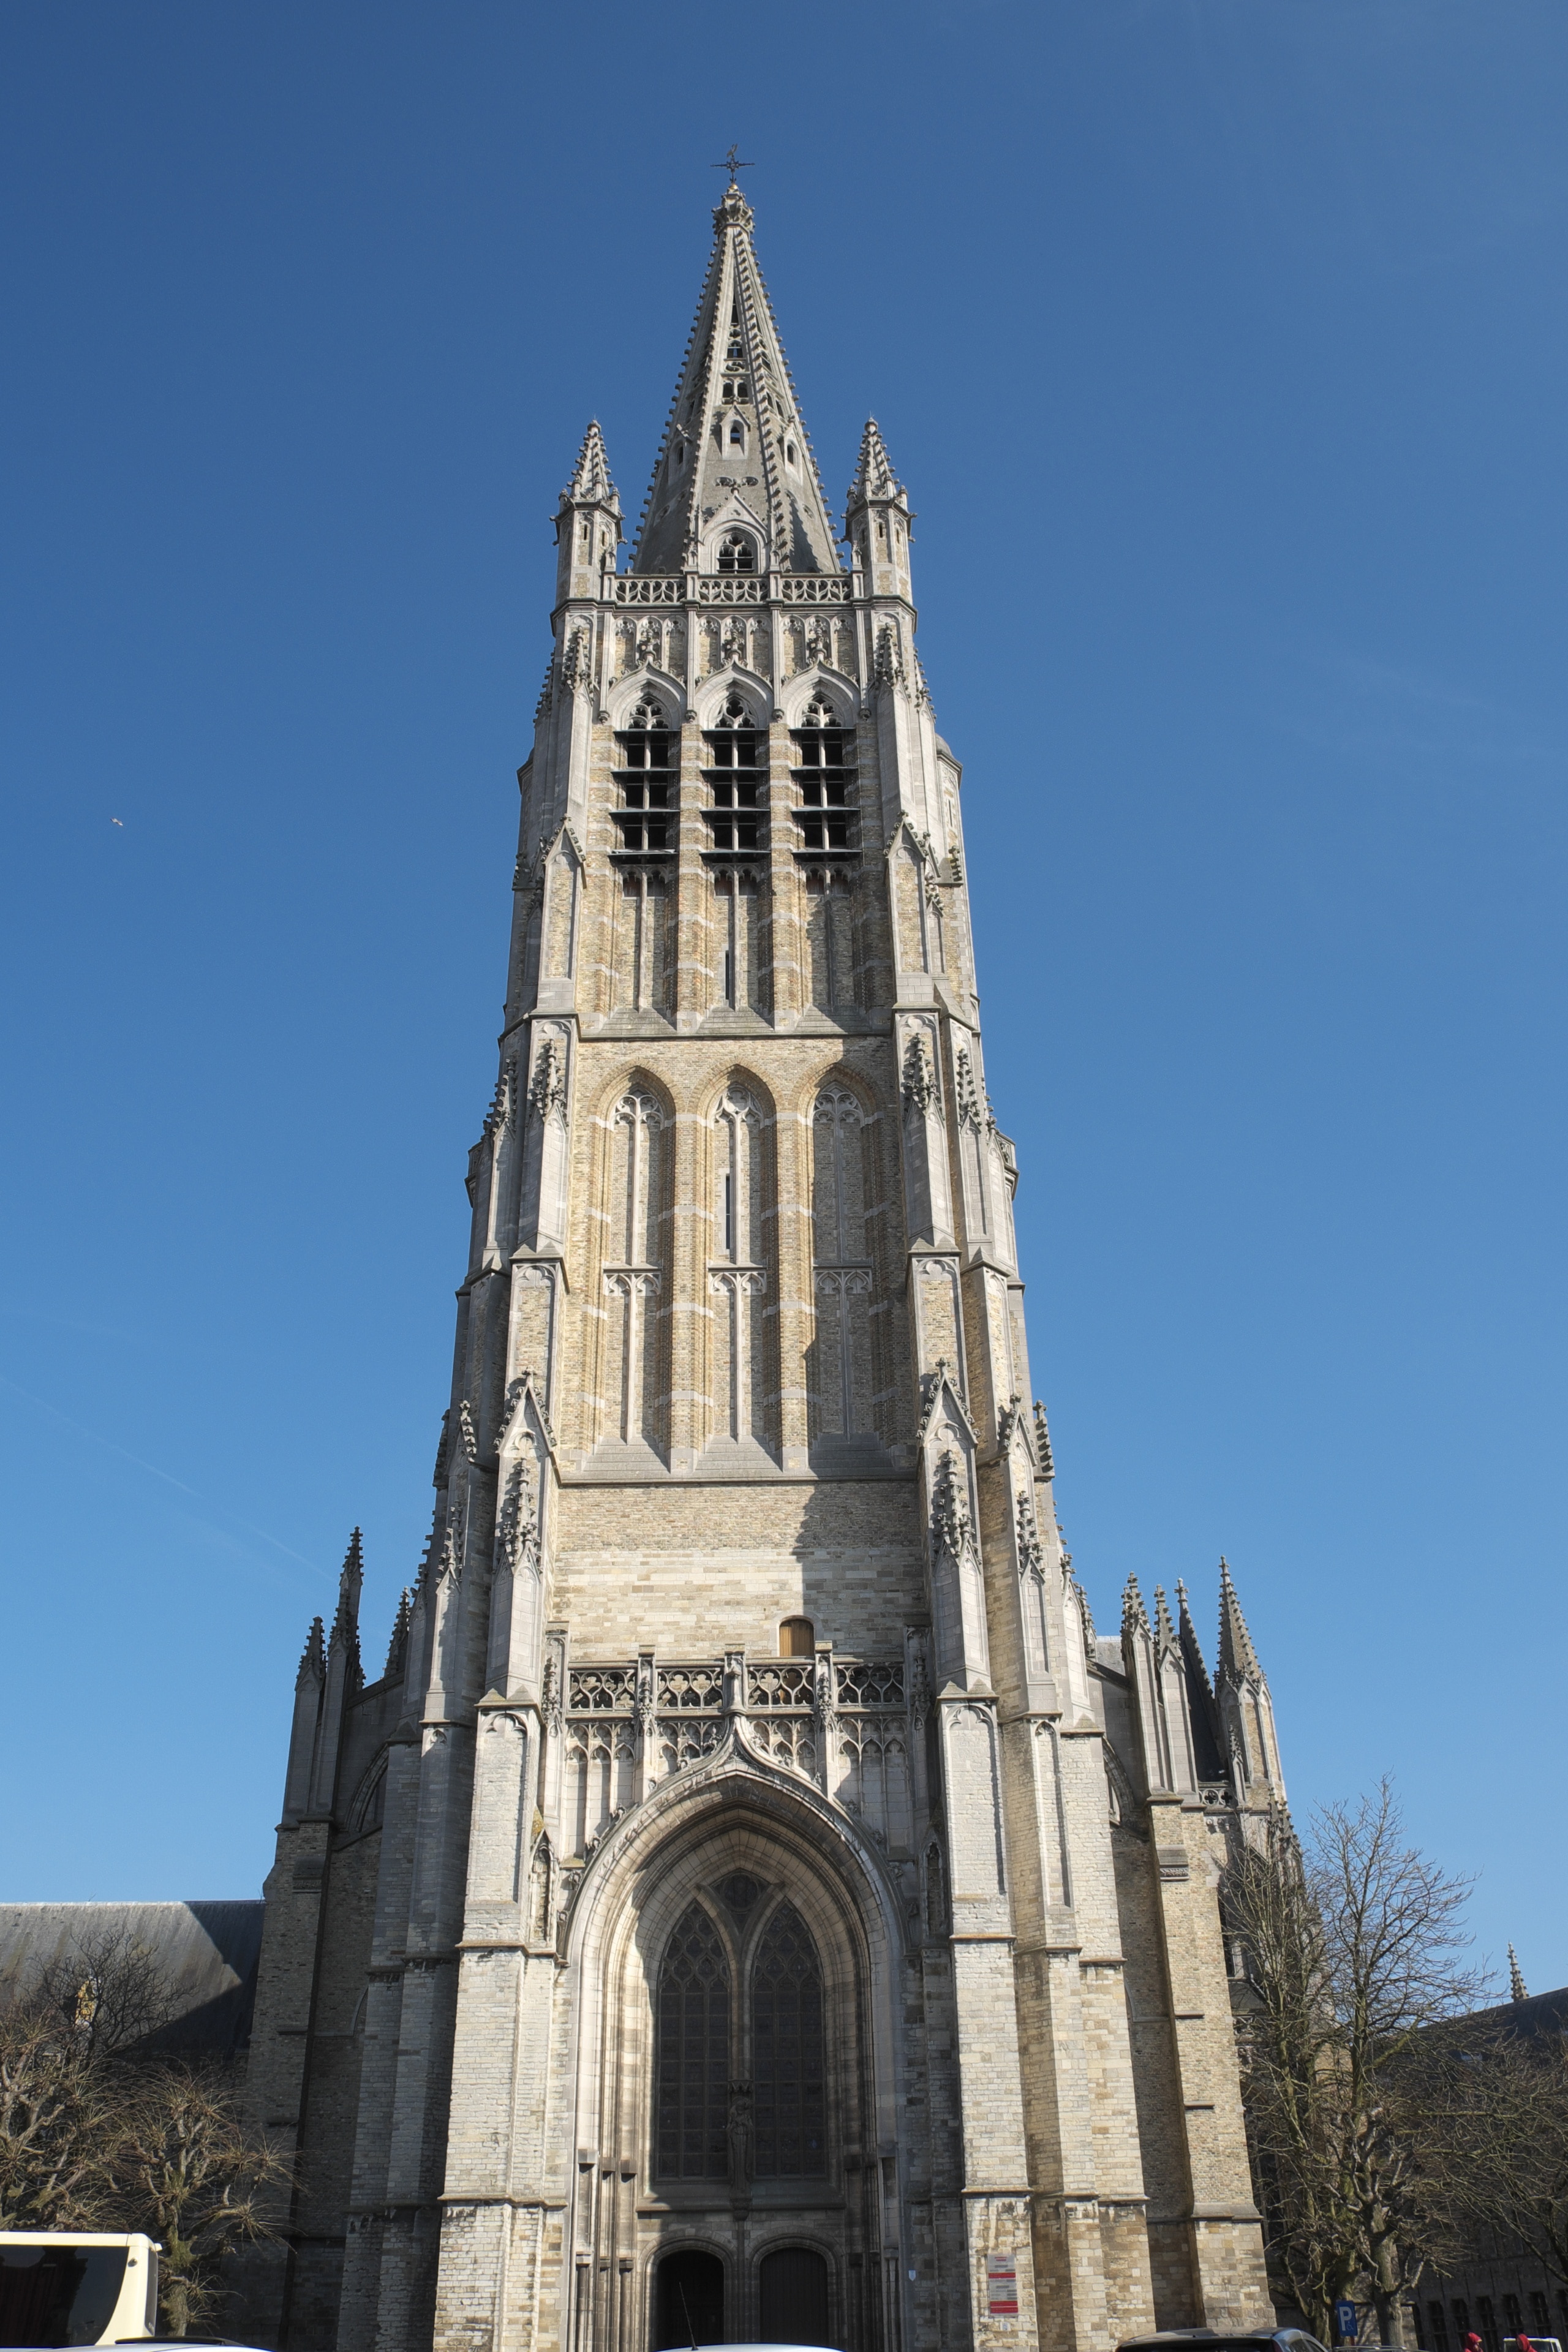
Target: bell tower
x=778, y=1876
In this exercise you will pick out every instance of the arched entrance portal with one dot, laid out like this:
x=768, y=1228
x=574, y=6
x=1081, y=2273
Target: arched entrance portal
x=736, y=2065
x=688, y=2301
x=793, y=2284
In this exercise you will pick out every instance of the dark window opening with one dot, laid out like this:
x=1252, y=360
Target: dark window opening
x=823, y=766
x=736, y=553
x=693, y=2053
x=735, y=773
x=648, y=773
x=790, y=2103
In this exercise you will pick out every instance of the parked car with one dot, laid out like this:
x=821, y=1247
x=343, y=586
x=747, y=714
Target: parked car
x=1240, y=2340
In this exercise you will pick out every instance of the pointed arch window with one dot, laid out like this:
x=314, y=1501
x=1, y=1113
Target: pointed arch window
x=648, y=753
x=788, y=2074
x=735, y=774
x=822, y=758
x=693, y=2069
x=736, y=550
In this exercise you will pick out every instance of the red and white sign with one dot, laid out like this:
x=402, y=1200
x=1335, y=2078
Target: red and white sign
x=1001, y=2286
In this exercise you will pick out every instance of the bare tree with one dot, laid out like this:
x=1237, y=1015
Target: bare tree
x=1356, y=1950
x=100, y=2132
x=1513, y=2091
x=111, y=1990
x=57, y=2124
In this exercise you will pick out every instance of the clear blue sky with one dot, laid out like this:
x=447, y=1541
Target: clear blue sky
x=1221, y=344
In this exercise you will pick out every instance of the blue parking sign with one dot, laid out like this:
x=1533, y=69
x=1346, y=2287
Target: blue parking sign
x=1347, y=2320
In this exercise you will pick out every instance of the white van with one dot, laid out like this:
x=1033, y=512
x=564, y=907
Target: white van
x=77, y=2286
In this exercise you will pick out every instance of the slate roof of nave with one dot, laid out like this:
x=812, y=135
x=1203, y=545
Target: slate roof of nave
x=205, y=1952
x=735, y=342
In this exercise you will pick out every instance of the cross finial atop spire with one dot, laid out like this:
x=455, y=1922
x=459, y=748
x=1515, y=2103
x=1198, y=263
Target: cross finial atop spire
x=732, y=164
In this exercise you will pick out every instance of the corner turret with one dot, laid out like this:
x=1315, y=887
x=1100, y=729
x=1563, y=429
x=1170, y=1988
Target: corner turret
x=878, y=520
x=587, y=522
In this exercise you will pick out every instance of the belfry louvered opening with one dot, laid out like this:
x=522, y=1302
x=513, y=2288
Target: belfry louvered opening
x=735, y=778
x=822, y=768
x=648, y=775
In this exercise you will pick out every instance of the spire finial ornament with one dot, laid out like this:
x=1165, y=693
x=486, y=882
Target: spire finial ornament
x=732, y=164
x=1518, y=1990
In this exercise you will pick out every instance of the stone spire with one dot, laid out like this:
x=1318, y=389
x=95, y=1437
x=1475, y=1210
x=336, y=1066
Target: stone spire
x=735, y=452
x=1518, y=1989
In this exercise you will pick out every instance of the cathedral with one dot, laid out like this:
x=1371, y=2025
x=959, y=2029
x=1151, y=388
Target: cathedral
x=754, y=1902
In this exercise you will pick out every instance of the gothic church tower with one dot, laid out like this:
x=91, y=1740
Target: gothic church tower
x=754, y=1901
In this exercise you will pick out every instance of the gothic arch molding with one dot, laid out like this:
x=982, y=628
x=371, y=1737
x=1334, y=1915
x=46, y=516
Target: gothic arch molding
x=825, y=686
x=732, y=1813
x=643, y=685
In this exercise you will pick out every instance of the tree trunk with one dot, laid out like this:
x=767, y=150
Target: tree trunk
x=177, y=2298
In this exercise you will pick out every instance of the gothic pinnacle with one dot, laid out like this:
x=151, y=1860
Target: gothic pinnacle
x=1517, y=1987
x=590, y=484
x=397, y=1648
x=1238, y=1658
x=1165, y=1632
x=1134, y=1616
x=345, y=1623
x=313, y=1655
x=874, y=475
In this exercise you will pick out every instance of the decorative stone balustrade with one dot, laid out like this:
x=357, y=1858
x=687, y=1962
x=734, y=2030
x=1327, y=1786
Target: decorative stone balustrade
x=843, y=1723
x=727, y=588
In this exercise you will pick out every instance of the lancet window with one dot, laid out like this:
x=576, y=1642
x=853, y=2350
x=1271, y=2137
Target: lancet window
x=693, y=2066
x=648, y=758
x=822, y=759
x=788, y=2075
x=838, y=1177
x=738, y=919
x=737, y=1274
x=630, y=1385
x=840, y=1361
x=735, y=778
x=736, y=550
